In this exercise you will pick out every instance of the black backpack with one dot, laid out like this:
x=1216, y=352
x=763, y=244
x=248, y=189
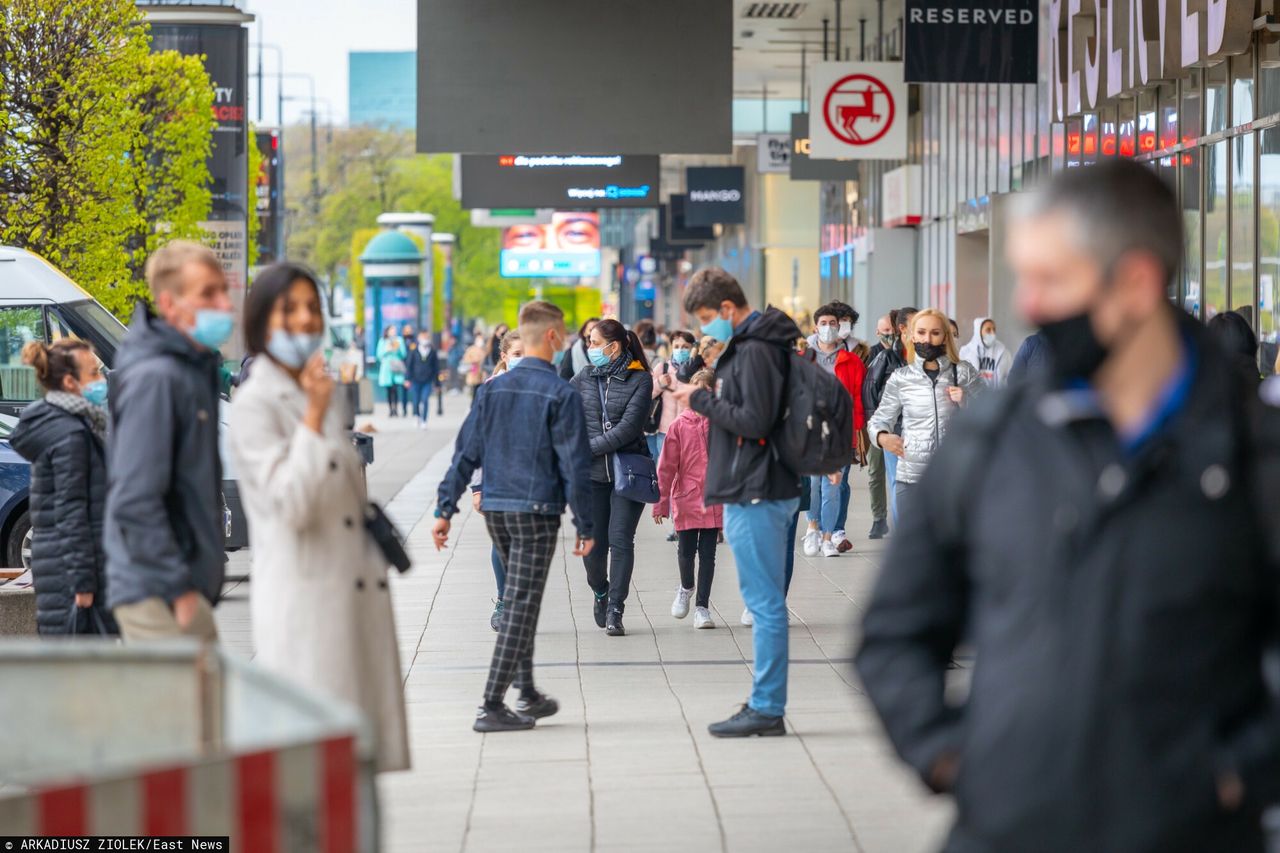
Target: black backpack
x=815, y=434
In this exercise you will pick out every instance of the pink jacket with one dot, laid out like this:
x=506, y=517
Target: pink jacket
x=670, y=408
x=682, y=473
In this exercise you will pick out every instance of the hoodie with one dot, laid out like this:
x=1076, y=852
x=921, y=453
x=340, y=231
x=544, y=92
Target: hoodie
x=744, y=410
x=993, y=363
x=163, y=532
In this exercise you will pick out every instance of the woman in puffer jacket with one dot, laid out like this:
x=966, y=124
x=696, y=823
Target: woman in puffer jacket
x=931, y=388
x=616, y=393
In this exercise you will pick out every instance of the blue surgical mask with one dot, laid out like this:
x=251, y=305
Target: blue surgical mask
x=720, y=329
x=292, y=350
x=680, y=356
x=513, y=361
x=213, y=328
x=95, y=392
x=558, y=357
x=597, y=357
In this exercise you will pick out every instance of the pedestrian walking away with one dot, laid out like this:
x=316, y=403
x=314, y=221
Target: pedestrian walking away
x=682, y=476
x=616, y=392
x=1103, y=538
x=422, y=374
x=758, y=492
x=925, y=395
x=319, y=602
x=530, y=474
x=163, y=533
x=985, y=352
x=392, y=354
x=64, y=438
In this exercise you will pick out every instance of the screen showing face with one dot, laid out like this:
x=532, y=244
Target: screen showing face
x=569, y=246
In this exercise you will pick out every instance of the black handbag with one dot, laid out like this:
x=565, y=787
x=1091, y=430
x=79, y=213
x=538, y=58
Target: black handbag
x=635, y=475
x=385, y=535
x=95, y=626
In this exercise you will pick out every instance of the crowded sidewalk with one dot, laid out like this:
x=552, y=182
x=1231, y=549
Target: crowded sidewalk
x=627, y=764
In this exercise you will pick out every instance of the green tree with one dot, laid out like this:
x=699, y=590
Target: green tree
x=255, y=223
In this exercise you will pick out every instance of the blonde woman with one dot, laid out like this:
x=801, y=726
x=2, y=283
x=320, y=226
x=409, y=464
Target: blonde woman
x=932, y=386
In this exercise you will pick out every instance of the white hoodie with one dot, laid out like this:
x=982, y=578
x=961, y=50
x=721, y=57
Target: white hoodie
x=993, y=362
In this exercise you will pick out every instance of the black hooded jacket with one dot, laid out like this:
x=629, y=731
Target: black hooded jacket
x=628, y=391
x=68, y=493
x=744, y=410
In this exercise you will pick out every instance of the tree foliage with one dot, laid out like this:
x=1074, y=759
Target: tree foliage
x=102, y=144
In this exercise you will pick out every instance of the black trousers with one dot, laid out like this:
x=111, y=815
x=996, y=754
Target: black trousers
x=526, y=543
x=614, y=520
x=700, y=543
x=394, y=393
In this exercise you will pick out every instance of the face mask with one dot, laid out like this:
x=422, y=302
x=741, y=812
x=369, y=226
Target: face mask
x=1077, y=352
x=989, y=340
x=292, y=350
x=213, y=328
x=557, y=357
x=887, y=340
x=680, y=356
x=95, y=392
x=827, y=334
x=513, y=361
x=424, y=343
x=930, y=352
x=846, y=329
x=720, y=329
x=597, y=357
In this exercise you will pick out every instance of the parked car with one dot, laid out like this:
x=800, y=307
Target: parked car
x=37, y=302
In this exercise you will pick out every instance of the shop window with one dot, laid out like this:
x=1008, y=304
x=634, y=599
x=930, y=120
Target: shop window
x=1016, y=153
x=1127, y=128
x=1242, y=89
x=1268, y=73
x=1004, y=136
x=1148, y=140
x=1243, y=197
x=1215, y=229
x=1191, y=115
x=1215, y=98
x=1167, y=115
x=1108, y=141
x=1058, y=134
x=1189, y=195
x=1269, y=245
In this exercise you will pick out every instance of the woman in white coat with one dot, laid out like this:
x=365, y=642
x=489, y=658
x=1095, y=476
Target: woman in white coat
x=319, y=603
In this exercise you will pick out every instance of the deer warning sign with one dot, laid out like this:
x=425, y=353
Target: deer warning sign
x=864, y=111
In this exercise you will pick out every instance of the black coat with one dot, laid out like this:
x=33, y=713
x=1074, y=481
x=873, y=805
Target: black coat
x=745, y=409
x=628, y=394
x=882, y=365
x=422, y=367
x=68, y=493
x=1119, y=606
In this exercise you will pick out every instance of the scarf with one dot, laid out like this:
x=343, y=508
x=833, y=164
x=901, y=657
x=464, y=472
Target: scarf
x=617, y=367
x=76, y=405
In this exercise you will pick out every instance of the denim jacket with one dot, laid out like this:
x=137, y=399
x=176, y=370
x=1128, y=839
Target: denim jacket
x=528, y=432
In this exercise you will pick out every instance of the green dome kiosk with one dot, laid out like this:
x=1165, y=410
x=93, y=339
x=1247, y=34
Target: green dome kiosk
x=392, y=265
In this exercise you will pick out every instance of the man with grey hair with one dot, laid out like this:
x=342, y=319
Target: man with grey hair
x=164, y=516
x=1097, y=534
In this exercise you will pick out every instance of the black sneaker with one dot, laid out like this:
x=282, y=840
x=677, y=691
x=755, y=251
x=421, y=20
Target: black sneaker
x=501, y=720
x=613, y=624
x=495, y=618
x=602, y=607
x=748, y=722
x=540, y=706
x=879, y=530
x=671, y=537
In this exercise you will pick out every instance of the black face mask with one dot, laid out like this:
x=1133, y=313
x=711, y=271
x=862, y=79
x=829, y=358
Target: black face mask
x=930, y=352
x=1076, y=351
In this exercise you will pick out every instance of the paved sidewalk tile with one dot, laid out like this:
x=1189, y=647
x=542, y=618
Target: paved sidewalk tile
x=627, y=764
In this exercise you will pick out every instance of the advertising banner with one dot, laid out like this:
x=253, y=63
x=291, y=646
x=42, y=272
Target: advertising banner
x=267, y=201
x=971, y=41
x=715, y=195
x=584, y=181
x=804, y=168
x=567, y=247
x=773, y=153
x=863, y=111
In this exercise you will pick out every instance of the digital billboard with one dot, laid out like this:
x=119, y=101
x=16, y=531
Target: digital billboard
x=567, y=247
x=587, y=181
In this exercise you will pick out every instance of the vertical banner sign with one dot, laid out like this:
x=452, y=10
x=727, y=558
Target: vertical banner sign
x=971, y=41
x=859, y=111
x=773, y=153
x=715, y=195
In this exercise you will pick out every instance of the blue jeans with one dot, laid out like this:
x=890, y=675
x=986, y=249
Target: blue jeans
x=845, y=492
x=420, y=399
x=891, y=479
x=826, y=500
x=791, y=551
x=499, y=570
x=757, y=534
x=655, y=444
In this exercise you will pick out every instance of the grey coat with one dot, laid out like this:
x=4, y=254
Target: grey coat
x=925, y=409
x=163, y=530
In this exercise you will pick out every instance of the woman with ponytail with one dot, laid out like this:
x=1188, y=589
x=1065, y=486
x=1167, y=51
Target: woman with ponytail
x=64, y=436
x=616, y=393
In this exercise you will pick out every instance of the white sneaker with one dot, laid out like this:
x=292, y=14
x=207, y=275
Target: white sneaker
x=702, y=618
x=830, y=549
x=838, y=537
x=680, y=607
x=747, y=618
x=812, y=543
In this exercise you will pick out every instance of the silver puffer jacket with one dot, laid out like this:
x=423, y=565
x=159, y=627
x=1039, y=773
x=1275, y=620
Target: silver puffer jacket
x=925, y=409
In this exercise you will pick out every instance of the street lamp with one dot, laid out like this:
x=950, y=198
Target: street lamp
x=279, y=82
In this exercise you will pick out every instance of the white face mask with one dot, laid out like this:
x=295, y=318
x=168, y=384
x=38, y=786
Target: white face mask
x=846, y=329
x=989, y=340
x=827, y=334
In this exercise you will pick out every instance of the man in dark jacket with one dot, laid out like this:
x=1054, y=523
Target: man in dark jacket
x=759, y=493
x=1032, y=356
x=1099, y=537
x=887, y=358
x=164, y=525
x=886, y=342
x=422, y=372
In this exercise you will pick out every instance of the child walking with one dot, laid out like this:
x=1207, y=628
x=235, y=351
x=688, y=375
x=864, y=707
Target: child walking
x=682, y=473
